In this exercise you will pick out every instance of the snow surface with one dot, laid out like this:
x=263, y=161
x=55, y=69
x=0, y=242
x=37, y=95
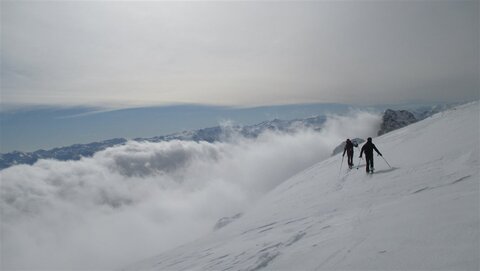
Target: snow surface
x=421, y=214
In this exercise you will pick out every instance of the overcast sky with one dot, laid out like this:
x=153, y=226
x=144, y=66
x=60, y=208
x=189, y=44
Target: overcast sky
x=238, y=53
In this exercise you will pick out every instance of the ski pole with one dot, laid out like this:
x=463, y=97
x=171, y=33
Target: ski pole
x=339, y=171
x=386, y=161
x=359, y=162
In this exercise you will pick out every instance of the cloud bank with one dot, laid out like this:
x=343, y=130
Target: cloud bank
x=134, y=201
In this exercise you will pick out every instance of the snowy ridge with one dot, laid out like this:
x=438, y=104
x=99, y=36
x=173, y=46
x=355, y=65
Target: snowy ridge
x=421, y=214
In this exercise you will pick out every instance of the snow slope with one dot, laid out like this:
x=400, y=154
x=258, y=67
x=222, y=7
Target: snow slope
x=421, y=214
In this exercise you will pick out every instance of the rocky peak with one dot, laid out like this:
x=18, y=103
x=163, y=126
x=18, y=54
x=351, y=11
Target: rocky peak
x=395, y=119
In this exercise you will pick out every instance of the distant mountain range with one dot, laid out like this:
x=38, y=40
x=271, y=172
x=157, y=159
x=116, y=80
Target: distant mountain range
x=211, y=134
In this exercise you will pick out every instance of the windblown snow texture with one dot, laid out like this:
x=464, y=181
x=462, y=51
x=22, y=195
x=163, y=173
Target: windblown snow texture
x=422, y=214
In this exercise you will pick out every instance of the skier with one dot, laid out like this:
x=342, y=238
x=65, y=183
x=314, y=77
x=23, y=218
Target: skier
x=368, y=149
x=349, y=150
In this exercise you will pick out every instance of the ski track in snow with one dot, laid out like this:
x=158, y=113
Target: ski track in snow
x=423, y=213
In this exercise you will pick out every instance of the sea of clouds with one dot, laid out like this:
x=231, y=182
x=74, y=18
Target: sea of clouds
x=133, y=201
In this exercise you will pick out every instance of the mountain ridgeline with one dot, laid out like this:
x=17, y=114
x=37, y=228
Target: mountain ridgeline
x=211, y=134
x=392, y=120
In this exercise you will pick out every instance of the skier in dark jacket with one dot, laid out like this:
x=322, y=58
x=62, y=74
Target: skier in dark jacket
x=349, y=150
x=368, y=149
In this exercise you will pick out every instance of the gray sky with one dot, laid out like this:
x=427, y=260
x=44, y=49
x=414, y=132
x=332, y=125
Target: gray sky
x=238, y=53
